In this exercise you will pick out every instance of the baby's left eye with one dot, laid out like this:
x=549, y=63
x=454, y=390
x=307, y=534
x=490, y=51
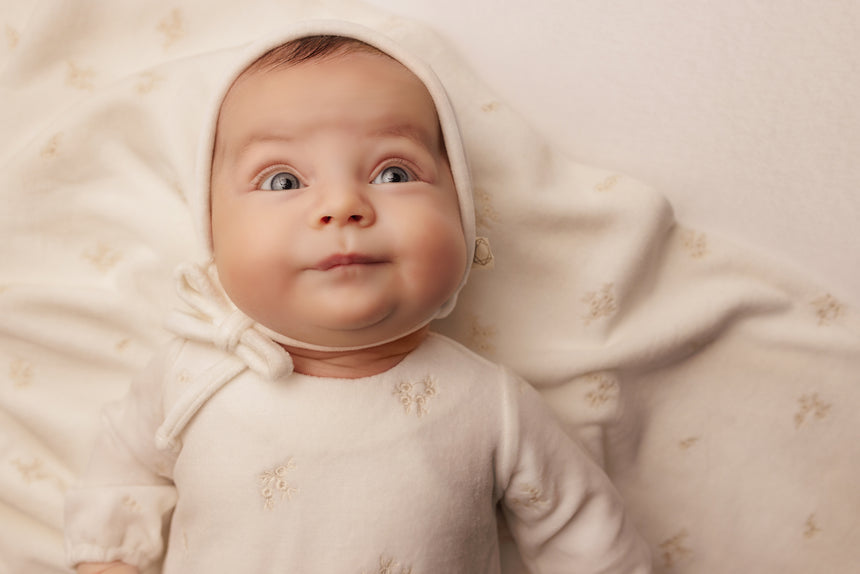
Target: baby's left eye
x=393, y=174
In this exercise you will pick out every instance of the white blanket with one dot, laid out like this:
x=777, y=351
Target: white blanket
x=720, y=390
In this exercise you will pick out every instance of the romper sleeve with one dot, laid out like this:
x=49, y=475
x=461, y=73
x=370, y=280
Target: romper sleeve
x=561, y=508
x=120, y=507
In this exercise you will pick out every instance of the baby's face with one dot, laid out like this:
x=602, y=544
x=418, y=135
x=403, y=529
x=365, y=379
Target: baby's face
x=335, y=220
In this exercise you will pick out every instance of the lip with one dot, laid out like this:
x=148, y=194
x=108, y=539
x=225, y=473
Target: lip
x=342, y=260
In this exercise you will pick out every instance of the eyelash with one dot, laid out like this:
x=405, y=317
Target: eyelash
x=271, y=170
x=401, y=163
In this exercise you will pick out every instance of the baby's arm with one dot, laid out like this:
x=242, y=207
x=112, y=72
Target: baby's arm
x=561, y=508
x=116, y=514
x=106, y=568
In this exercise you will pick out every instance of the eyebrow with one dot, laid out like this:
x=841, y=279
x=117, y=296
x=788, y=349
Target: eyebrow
x=407, y=131
x=404, y=130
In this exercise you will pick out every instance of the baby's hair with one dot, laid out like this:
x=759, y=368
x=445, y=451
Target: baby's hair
x=310, y=48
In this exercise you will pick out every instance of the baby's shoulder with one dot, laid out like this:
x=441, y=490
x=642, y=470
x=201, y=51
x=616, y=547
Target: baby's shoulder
x=452, y=359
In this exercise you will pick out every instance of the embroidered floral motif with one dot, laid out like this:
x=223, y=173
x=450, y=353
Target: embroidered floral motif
x=389, y=566
x=408, y=394
x=481, y=334
x=490, y=106
x=810, y=405
x=811, y=527
x=674, y=549
x=600, y=304
x=696, y=244
x=34, y=471
x=485, y=213
x=79, y=77
x=688, y=442
x=122, y=345
x=172, y=27
x=274, y=481
x=828, y=309
x=147, y=82
x=530, y=496
x=12, y=37
x=131, y=504
x=607, y=183
x=51, y=148
x=102, y=256
x=21, y=373
x=606, y=389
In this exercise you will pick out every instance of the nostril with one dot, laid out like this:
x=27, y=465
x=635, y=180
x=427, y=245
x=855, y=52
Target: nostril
x=356, y=218
x=326, y=219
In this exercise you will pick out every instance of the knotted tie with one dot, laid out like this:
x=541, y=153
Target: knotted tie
x=214, y=319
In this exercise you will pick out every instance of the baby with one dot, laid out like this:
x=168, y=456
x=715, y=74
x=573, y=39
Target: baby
x=306, y=420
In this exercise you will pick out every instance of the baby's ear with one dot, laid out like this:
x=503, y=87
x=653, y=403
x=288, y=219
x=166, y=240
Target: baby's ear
x=483, y=258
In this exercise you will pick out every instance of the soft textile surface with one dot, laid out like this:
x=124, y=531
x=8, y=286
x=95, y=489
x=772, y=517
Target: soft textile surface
x=720, y=391
x=743, y=113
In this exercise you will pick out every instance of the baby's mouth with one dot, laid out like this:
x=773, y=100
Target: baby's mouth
x=341, y=260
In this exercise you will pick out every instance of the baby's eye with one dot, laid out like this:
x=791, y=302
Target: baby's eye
x=393, y=174
x=281, y=181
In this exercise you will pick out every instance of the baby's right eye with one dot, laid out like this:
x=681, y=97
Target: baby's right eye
x=281, y=181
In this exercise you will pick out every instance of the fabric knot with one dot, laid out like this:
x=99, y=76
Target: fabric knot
x=229, y=332
x=212, y=318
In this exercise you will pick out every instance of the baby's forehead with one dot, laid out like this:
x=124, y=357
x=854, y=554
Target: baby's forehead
x=409, y=109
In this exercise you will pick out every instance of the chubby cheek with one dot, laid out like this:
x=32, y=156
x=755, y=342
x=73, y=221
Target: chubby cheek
x=237, y=251
x=441, y=260
x=234, y=272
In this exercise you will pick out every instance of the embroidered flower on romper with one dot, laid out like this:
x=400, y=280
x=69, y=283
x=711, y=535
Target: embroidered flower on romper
x=274, y=481
x=409, y=395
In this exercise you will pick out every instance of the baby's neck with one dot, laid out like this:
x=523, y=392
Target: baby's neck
x=357, y=363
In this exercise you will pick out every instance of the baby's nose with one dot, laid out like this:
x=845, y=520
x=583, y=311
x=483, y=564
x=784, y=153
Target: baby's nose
x=345, y=205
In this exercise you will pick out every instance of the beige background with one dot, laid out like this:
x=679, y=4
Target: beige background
x=744, y=113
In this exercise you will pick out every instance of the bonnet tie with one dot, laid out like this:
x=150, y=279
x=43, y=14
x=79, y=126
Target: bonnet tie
x=214, y=319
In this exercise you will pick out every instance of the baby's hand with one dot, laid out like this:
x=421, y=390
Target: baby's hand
x=106, y=568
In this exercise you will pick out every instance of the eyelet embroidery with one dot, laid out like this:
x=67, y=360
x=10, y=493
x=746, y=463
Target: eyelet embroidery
x=607, y=183
x=12, y=37
x=52, y=147
x=810, y=406
x=35, y=471
x=828, y=309
x=531, y=497
x=21, y=373
x=131, y=504
x=408, y=395
x=102, y=256
x=79, y=77
x=604, y=390
x=274, y=481
x=811, y=528
x=696, y=244
x=388, y=565
x=600, y=304
x=674, y=549
x=172, y=28
x=148, y=81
